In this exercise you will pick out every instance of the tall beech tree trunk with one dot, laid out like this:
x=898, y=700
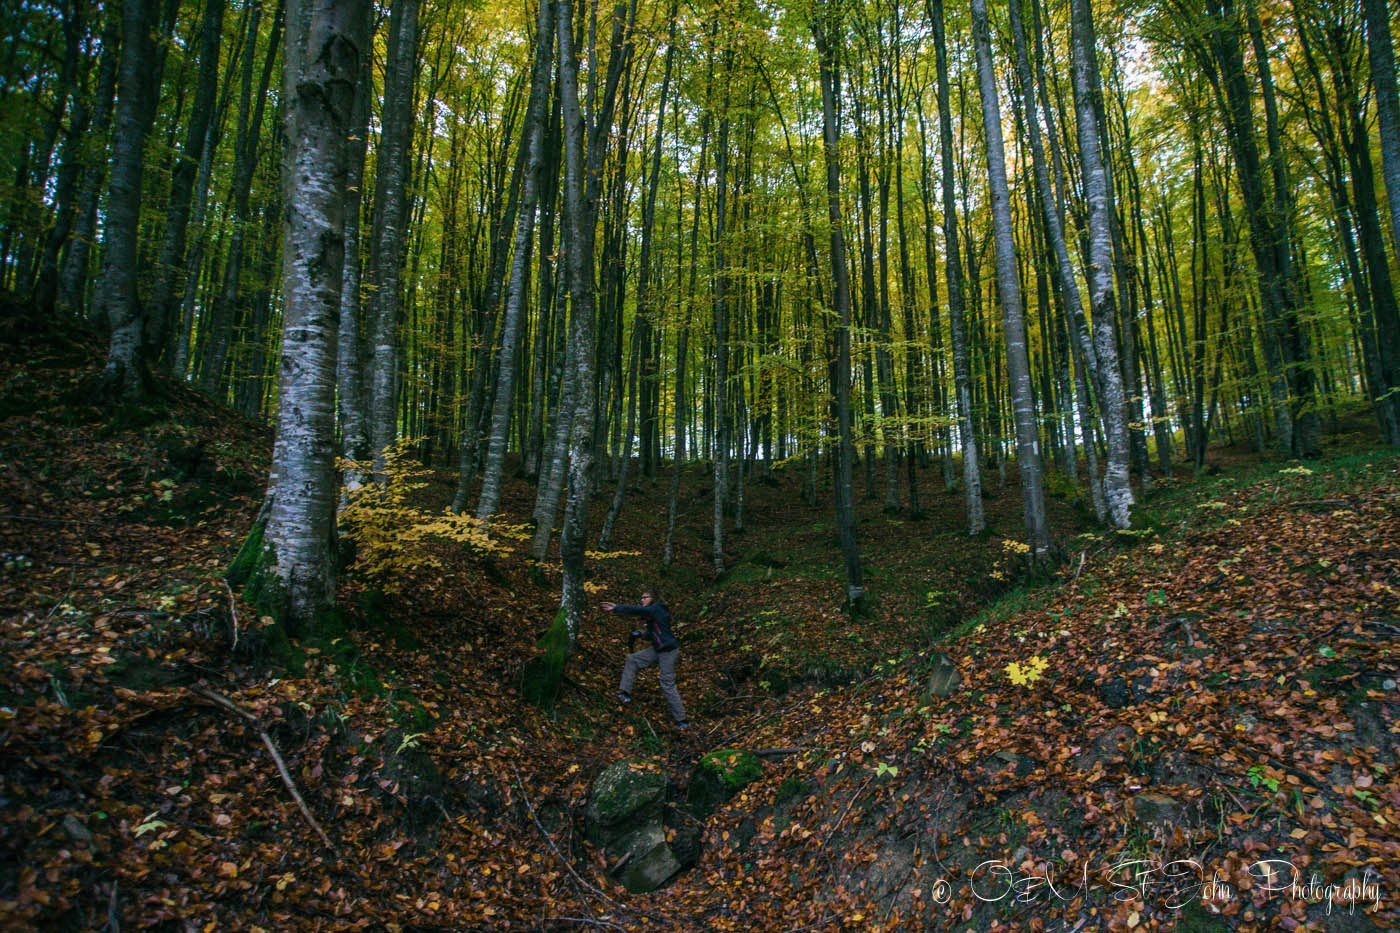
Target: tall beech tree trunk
x=1269, y=240
x=390, y=215
x=350, y=348
x=595, y=150
x=683, y=337
x=1386, y=316
x=124, y=375
x=294, y=571
x=1009, y=290
x=826, y=29
x=1382, y=55
x=579, y=269
x=721, y=342
x=1118, y=495
x=957, y=321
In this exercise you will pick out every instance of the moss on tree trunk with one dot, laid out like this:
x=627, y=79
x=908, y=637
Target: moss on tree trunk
x=542, y=674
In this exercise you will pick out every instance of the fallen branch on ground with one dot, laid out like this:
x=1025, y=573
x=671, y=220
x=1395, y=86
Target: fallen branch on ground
x=234, y=708
x=777, y=752
x=593, y=889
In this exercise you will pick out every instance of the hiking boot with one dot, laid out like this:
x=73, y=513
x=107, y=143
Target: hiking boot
x=623, y=697
x=683, y=726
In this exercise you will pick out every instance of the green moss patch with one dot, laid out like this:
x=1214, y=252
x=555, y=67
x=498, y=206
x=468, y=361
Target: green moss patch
x=542, y=674
x=719, y=776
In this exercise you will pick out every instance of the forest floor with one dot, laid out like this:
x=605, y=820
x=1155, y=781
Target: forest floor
x=1193, y=705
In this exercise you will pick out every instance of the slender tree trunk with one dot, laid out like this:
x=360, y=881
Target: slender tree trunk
x=220, y=325
x=825, y=33
x=550, y=314
x=1009, y=288
x=73, y=271
x=957, y=324
x=647, y=280
x=169, y=286
x=721, y=338
x=390, y=213
x=683, y=337
x=536, y=120
x=1053, y=212
x=1386, y=325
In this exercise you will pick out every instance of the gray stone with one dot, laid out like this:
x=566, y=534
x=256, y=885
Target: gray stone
x=944, y=677
x=76, y=830
x=623, y=818
x=1106, y=745
x=1157, y=808
x=642, y=861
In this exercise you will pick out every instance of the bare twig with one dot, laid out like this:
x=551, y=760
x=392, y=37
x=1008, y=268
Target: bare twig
x=234, y=708
x=1080, y=568
x=113, y=923
x=232, y=611
x=554, y=848
x=48, y=521
x=66, y=594
x=1309, y=503
x=602, y=925
x=596, y=891
x=1231, y=794
x=778, y=752
x=850, y=803
x=139, y=611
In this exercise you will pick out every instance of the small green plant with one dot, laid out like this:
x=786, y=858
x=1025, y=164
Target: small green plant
x=1156, y=598
x=1258, y=778
x=882, y=769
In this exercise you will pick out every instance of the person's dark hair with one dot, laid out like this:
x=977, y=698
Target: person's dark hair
x=654, y=592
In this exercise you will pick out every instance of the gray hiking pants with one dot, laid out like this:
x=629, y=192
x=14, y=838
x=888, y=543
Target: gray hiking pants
x=666, y=663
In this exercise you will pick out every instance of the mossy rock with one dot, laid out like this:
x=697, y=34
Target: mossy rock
x=719, y=776
x=627, y=795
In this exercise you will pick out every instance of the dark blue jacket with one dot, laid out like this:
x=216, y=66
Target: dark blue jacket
x=658, y=624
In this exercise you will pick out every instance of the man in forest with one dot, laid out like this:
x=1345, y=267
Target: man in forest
x=661, y=649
